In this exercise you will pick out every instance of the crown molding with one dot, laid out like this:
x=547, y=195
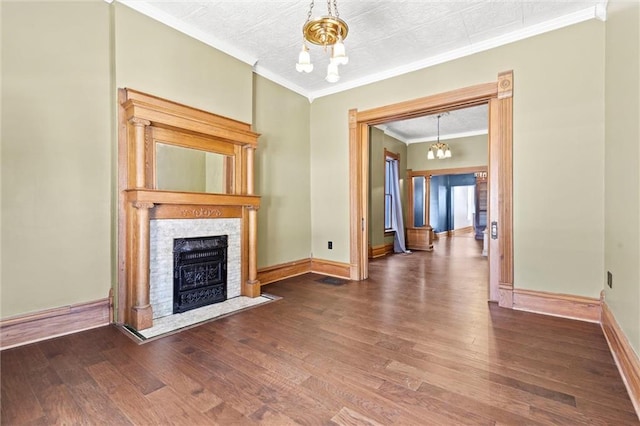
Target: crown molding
x=598, y=11
x=448, y=137
x=146, y=9
x=601, y=11
x=393, y=134
x=263, y=72
x=409, y=141
x=531, y=31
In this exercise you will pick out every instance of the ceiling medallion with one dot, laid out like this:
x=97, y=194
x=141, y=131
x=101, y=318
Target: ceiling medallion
x=325, y=30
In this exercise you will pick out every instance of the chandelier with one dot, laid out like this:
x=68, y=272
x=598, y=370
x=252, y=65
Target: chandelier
x=329, y=32
x=439, y=149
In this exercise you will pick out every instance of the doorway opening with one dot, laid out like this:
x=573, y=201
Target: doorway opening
x=499, y=96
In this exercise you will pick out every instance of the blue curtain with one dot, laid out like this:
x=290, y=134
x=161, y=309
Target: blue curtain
x=397, y=223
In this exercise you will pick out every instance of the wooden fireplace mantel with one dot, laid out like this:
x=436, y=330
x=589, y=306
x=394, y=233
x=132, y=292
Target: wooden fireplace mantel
x=191, y=198
x=145, y=121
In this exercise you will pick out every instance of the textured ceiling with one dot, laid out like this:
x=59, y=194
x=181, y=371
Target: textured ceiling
x=455, y=124
x=386, y=38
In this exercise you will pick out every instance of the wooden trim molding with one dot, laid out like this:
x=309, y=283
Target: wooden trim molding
x=381, y=250
x=453, y=171
x=625, y=357
x=49, y=323
x=557, y=305
x=462, y=231
x=331, y=268
x=453, y=232
x=145, y=120
x=504, y=188
x=283, y=271
x=390, y=154
x=499, y=96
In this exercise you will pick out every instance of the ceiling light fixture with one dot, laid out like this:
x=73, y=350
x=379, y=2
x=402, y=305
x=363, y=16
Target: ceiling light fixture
x=439, y=149
x=326, y=31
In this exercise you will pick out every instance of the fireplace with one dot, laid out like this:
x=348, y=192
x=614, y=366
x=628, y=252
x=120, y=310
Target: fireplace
x=199, y=272
x=147, y=213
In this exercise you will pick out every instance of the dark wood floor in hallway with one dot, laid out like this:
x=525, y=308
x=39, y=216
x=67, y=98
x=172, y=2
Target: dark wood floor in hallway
x=415, y=344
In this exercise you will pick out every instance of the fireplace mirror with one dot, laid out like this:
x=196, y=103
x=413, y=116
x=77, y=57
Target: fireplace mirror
x=191, y=170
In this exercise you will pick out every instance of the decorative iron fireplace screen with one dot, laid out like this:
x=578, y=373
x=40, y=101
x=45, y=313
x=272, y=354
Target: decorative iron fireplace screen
x=199, y=272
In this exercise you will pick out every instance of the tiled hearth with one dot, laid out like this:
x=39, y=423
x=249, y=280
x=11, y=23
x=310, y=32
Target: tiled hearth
x=176, y=322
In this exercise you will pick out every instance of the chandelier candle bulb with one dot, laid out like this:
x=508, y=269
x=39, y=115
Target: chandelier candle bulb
x=339, y=54
x=304, y=60
x=332, y=72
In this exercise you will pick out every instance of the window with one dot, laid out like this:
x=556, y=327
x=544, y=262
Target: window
x=388, y=199
x=389, y=207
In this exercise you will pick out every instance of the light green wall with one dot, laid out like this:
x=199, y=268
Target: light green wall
x=282, y=174
x=465, y=152
x=154, y=58
x=378, y=142
x=56, y=154
x=558, y=119
x=61, y=65
x=622, y=164
x=181, y=169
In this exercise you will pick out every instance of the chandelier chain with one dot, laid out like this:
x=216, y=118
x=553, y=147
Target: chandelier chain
x=335, y=8
x=310, y=10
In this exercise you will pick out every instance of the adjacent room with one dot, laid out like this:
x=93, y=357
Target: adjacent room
x=398, y=213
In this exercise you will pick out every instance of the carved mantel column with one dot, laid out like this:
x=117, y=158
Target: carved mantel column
x=252, y=288
x=141, y=311
x=139, y=126
x=250, y=151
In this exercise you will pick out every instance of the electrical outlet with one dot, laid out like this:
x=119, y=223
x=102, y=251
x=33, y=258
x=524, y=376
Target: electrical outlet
x=330, y=245
x=609, y=279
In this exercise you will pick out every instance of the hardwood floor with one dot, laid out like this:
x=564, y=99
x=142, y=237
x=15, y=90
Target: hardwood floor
x=415, y=344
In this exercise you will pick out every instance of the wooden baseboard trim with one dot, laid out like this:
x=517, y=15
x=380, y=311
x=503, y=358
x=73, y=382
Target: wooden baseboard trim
x=331, y=268
x=49, y=323
x=282, y=271
x=453, y=232
x=558, y=305
x=625, y=357
x=443, y=234
x=462, y=231
x=381, y=250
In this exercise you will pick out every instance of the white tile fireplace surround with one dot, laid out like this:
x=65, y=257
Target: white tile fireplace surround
x=163, y=232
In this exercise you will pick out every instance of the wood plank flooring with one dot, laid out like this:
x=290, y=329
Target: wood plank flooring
x=415, y=344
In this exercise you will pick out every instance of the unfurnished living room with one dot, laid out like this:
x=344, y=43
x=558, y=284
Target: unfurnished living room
x=300, y=212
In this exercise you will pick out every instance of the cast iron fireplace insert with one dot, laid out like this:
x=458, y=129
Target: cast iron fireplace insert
x=199, y=272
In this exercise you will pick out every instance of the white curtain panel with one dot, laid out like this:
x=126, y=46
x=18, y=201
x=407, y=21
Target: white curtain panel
x=397, y=223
